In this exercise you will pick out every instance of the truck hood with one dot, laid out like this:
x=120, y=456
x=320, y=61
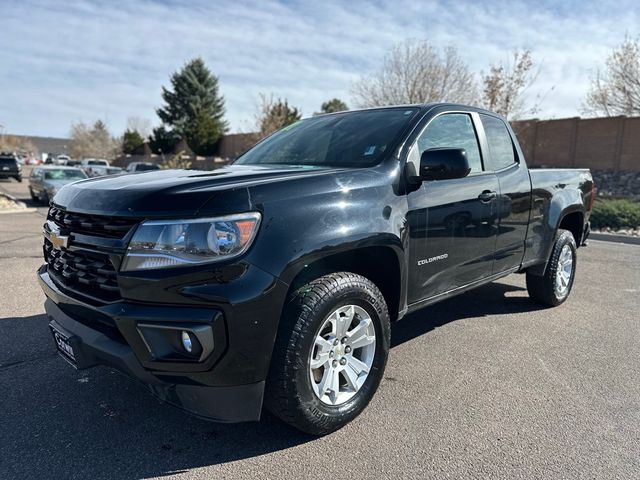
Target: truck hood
x=171, y=193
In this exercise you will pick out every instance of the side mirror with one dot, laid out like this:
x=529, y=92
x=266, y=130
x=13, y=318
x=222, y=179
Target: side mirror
x=444, y=164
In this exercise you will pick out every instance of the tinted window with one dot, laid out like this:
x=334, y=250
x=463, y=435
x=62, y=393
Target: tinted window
x=8, y=161
x=453, y=130
x=500, y=144
x=145, y=166
x=353, y=139
x=64, y=174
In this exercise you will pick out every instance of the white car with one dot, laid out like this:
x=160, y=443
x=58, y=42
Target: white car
x=88, y=165
x=100, y=171
x=88, y=162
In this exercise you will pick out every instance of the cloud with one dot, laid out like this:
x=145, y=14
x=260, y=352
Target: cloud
x=70, y=61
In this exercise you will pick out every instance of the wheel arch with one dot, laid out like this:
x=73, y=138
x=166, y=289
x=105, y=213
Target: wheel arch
x=382, y=264
x=565, y=216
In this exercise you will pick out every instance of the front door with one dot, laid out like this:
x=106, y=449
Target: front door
x=452, y=223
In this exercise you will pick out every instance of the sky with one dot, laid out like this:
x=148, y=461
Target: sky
x=68, y=61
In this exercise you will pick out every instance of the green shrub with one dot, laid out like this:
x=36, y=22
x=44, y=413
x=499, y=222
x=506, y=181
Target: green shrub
x=615, y=214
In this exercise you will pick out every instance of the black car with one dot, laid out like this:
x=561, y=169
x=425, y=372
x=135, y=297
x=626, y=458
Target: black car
x=273, y=281
x=10, y=167
x=142, y=167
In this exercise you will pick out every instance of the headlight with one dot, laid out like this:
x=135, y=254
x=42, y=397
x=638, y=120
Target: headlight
x=177, y=243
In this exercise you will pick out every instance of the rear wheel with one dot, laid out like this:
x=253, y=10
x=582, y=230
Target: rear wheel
x=554, y=286
x=330, y=353
x=34, y=197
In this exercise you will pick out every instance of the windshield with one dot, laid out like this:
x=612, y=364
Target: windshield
x=7, y=161
x=97, y=162
x=352, y=139
x=64, y=174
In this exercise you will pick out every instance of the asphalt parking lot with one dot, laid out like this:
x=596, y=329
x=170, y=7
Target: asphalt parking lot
x=485, y=385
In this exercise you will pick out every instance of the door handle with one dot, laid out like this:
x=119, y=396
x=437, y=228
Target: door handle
x=487, y=195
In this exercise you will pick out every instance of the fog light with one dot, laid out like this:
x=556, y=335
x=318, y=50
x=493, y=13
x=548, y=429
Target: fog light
x=186, y=341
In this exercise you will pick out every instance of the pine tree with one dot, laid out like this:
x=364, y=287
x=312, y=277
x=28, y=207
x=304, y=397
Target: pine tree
x=332, y=106
x=162, y=140
x=131, y=141
x=194, y=108
x=275, y=114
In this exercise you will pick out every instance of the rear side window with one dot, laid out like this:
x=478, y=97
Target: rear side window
x=500, y=144
x=451, y=130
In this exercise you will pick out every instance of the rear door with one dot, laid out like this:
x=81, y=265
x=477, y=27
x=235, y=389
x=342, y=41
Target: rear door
x=452, y=223
x=514, y=202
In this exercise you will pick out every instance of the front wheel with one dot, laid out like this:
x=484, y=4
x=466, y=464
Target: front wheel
x=330, y=353
x=554, y=286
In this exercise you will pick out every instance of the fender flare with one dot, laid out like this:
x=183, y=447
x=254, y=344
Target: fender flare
x=561, y=204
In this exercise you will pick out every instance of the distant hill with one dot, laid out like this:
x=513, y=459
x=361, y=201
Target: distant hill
x=36, y=145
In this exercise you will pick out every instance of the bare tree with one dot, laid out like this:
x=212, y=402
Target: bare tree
x=616, y=91
x=10, y=143
x=140, y=125
x=505, y=86
x=274, y=114
x=93, y=141
x=415, y=72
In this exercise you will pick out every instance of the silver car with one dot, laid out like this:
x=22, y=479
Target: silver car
x=45, y=182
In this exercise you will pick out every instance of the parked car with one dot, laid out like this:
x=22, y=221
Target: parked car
x=10, y=167
x=62, y=159
x=44, y=182
x=91, y=162
x=273, y=281
x=88, y=164
x=73, y=163
x=29, y=159
x=142, y=167
x=100, y=171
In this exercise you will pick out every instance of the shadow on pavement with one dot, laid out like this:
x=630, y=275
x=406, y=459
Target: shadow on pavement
x=59, y=423
x=489, y=299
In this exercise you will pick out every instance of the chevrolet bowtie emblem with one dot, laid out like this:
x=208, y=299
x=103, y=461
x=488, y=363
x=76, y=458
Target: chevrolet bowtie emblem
x=52, y=233
x=58, y=241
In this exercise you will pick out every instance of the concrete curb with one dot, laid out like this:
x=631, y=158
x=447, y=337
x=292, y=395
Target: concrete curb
x=612, y=237
x=19, y=210
x=22, y=207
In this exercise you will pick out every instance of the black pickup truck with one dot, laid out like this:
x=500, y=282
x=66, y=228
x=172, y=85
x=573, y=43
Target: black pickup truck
x=10, y=167
x=273, y=281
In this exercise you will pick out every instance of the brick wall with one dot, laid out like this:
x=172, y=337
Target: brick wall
x=611, y=143
x=231, y=146
x=610, y=147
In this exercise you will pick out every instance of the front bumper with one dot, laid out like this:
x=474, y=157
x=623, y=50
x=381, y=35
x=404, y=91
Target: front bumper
x=109, y=335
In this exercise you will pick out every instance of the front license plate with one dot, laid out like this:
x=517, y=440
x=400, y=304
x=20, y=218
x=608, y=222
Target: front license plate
x=63, y=345
x=5, y=168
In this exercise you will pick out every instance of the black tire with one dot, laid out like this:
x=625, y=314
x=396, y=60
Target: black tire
x=542, y=289
x=18, y=179
x=34, y=197
x=289, y=394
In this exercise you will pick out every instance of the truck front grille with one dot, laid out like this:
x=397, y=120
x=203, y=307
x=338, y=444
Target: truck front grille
x=84, y=268
x=87, y=273
x=96, y=225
